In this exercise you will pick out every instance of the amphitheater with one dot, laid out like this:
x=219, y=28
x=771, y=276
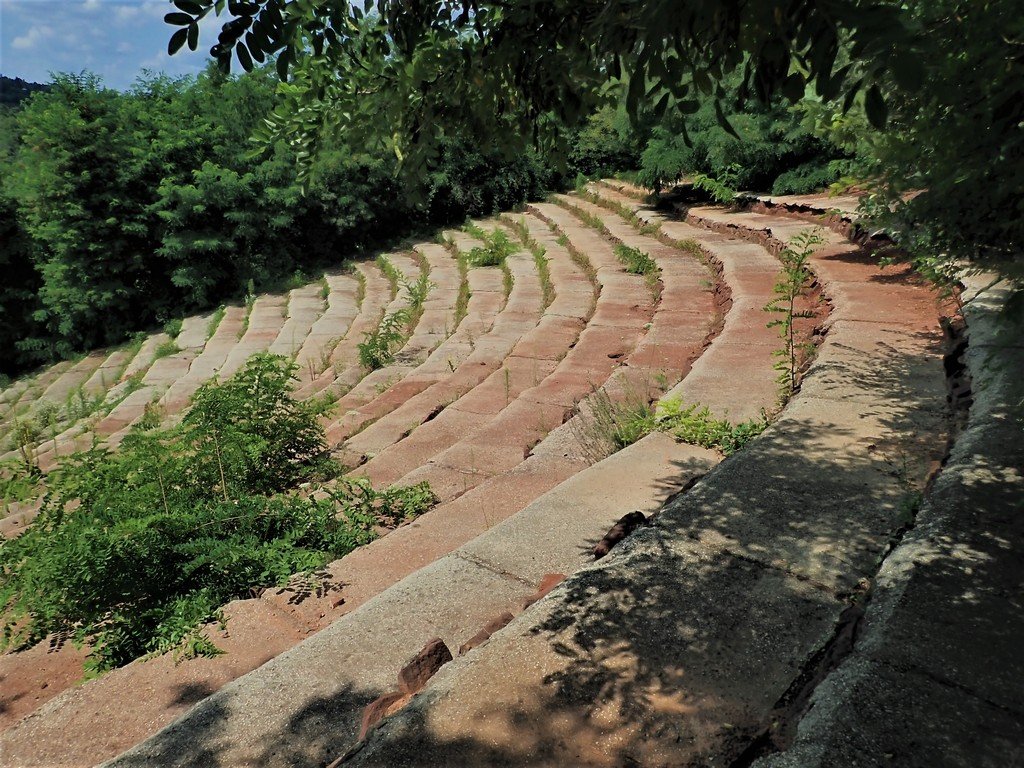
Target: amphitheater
x=846, y=590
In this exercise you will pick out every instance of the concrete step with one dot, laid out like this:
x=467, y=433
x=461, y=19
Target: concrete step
x=264, y=323
x=316, y=692
x=744, y=349
x=512, y=426
x=915, y=690
x=208, y=363
x=366, y=405
x=394, y=383
x=350, y=372
x=677, y=649
x=330, y=328
x=482, y=386
x=375, y=296
x=305, y=306
x=158, y=377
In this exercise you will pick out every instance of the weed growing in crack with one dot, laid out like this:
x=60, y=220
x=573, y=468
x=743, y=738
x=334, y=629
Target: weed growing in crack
x=497, y=247
x=418, y=291
x=793, y=283
x=607, y=425
x=378, y=346
x=215, y=320
x=635, y=261
x=540, y=259
x=166, y=349
x=696, y=425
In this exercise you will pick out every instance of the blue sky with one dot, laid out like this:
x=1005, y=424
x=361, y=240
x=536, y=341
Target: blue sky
x=113, y=38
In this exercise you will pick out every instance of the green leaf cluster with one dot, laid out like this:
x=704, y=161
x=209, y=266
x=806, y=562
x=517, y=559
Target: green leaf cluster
x=496, y=248
x=636, y=261
x=793, y=283
x=378, y=347
x=696, y=425
x=135, y=550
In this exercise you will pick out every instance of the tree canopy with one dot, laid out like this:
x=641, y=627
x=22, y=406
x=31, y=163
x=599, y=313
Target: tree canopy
x=409, y=74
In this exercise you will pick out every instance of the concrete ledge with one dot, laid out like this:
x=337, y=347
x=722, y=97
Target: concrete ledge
x=304, y=706
x=683, y=647
x=935, y=679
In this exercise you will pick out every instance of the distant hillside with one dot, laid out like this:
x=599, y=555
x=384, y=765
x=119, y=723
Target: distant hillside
x=14, y=90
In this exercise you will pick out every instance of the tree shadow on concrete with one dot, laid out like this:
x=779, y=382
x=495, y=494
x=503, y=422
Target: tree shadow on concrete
x=690, y=642
x=317, y=733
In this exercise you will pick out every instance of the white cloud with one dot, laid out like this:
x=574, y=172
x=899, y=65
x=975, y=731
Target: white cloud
x=128, y=12
x=32, y=38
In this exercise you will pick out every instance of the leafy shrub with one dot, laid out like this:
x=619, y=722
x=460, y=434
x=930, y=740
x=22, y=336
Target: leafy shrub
x=466, y=181
x=17, y=484
x=770, y=142
x=718, y=189
x=811, y=176
x=134, y=550
x=664, y=160
x=608, y=425
x=173, y=327
x=607, y=144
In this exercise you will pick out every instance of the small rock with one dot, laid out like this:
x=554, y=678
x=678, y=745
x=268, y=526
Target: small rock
x=384, y=705
x=626, y=525
x=549, y=582
x=417, y=672
x=492, y=626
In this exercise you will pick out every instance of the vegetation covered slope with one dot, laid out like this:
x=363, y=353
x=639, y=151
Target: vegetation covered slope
x=124, y=210
x=945, y=88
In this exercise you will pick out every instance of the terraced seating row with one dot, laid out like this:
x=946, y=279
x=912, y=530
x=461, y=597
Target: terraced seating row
x=315, y=739
x=751, y=272
x=330, y=328
x=376, y=294
x=97, y=387
x=681, y=648
x=384, y=664
x=437, y=316
x=573, y=296
x=498, y=448
x=944, y=593
x=171, y=380
x=432, y=328
x=357, y=410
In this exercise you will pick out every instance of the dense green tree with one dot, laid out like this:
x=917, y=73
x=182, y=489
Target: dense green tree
x=606, y=144
x=18, y=292
x=945, y=75
x=124, y=209
x=771, y=149
x=85, y=175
